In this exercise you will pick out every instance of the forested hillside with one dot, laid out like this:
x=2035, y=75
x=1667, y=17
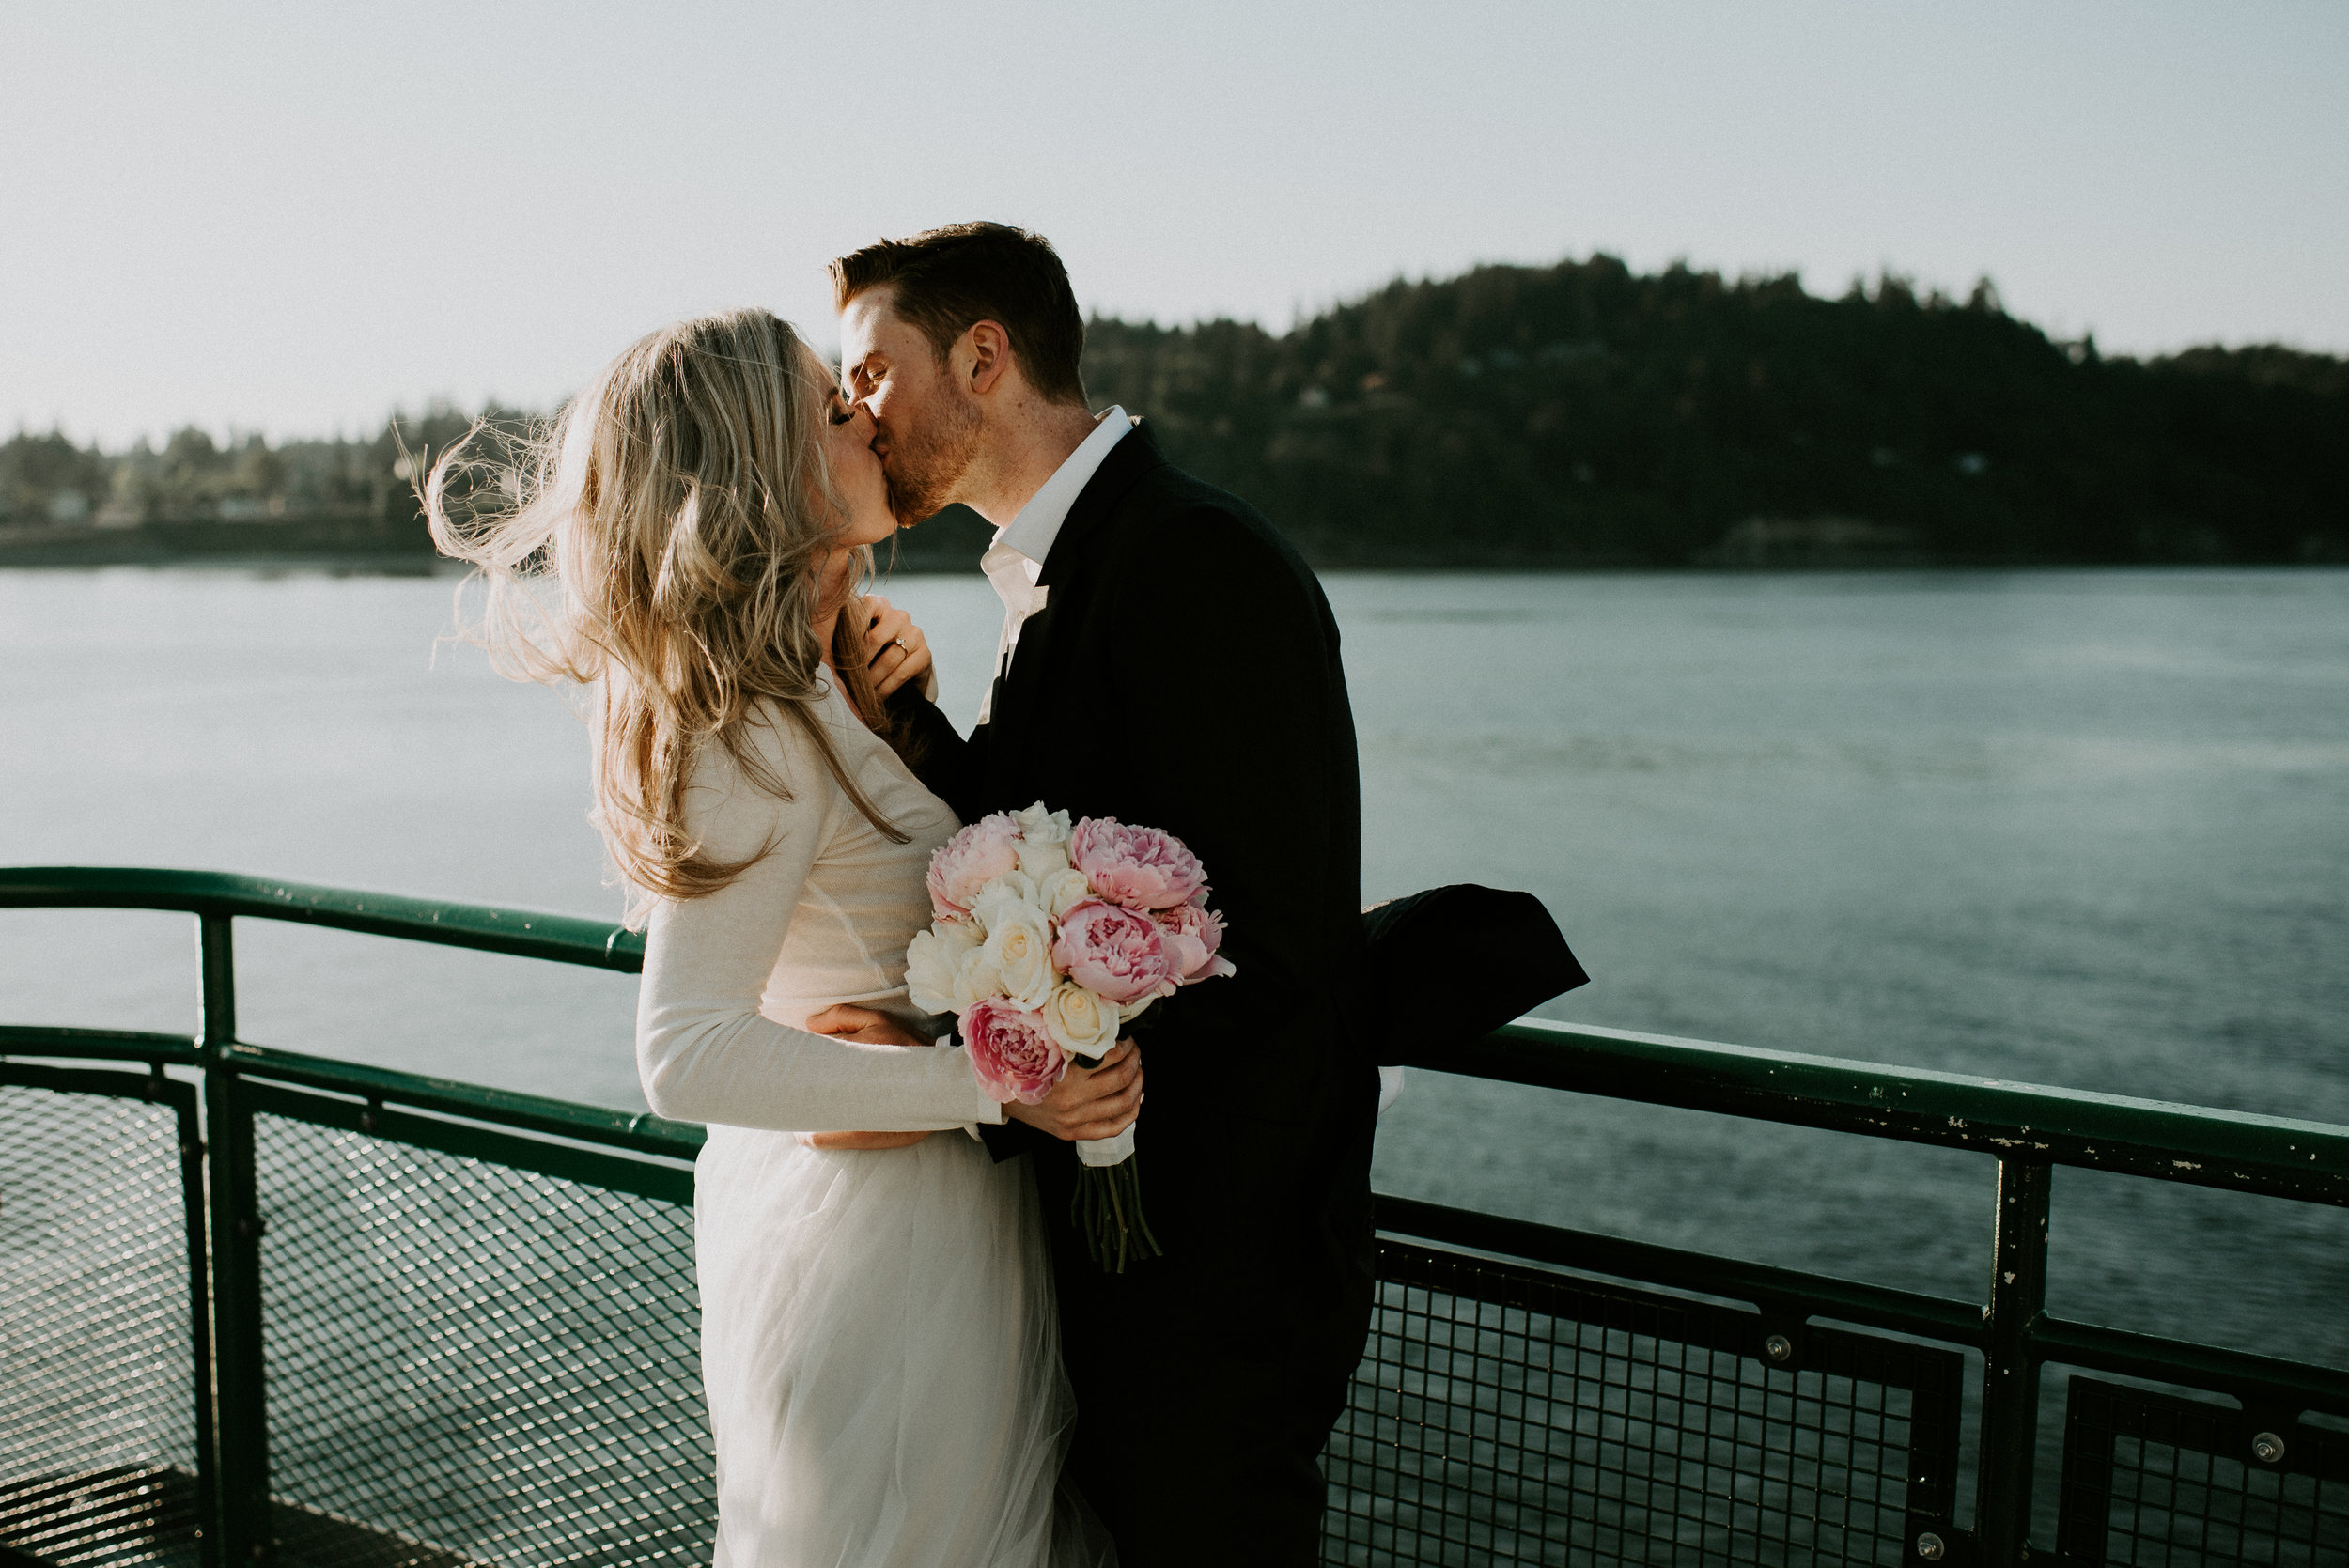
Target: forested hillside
x=1583, y=412
x=1575, y=414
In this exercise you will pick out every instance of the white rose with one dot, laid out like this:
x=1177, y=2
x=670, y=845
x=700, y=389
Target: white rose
x=1062, y=890
x=1128, y=1011
x=1014, y=887
x=1038, y=826
x=1084, y=1024
x=1042, y=859
x=933, y=959
x=979, y=978
x=1019, y=943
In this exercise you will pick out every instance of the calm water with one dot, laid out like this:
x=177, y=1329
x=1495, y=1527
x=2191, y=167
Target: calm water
x=2081, y=829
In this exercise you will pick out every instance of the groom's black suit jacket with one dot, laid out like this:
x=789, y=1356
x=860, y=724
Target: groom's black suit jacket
x=1184, y=674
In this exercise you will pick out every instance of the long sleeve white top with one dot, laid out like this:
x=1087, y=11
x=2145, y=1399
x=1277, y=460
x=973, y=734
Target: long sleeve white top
x=822, y=918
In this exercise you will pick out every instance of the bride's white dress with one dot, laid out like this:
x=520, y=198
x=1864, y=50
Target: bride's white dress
x=878, y=1338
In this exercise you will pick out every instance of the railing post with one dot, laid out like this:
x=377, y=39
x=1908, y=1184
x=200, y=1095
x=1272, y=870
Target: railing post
x=194, y=1198
x=2009, y=1398
x=240, y=1408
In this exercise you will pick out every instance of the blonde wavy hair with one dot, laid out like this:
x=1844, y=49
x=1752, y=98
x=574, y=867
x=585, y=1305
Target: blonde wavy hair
x=682, y=506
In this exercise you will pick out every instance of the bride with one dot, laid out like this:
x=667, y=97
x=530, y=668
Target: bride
x=878, y=1339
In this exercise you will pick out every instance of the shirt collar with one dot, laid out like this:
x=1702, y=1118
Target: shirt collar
x=1037, y=524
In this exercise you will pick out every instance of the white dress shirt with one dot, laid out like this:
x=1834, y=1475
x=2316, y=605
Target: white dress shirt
x=1016, y=559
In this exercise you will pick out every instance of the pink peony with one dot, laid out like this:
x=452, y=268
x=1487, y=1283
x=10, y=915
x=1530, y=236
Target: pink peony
x=1012, y=1054
x=1142, y=868
x=1193, y=933
x=969, y=860
x=1114, y=952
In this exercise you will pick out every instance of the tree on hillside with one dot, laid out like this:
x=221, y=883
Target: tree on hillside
x=47, y=478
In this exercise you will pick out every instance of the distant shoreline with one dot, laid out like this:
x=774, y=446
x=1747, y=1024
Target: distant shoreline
x=951, y=543
x=407, y=566
x=1580, y=417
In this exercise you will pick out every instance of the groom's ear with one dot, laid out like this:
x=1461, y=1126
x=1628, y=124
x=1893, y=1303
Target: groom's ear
x=982, y=358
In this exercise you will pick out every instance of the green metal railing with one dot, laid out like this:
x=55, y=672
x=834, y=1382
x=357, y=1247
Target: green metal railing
x=262, y=1306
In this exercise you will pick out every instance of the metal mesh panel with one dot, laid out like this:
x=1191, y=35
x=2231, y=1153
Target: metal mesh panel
x=96, y=1361
x=498, y=1363
x=2168, y=1483
x=1503, y=1415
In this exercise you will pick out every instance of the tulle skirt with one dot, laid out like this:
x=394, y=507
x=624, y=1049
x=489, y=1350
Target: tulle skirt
x=881, y=1352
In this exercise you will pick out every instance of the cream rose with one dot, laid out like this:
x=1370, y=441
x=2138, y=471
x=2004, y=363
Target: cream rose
x=979, y=978
x=1012, y=887
x=1019, y=943
x=933, y=960
x=1081, y=1022
x=1042, y=858
x=1038, y=826
x=1062, y=890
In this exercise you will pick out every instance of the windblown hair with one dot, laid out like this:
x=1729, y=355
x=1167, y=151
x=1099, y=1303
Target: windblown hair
x=681, y=505
x=946, y=279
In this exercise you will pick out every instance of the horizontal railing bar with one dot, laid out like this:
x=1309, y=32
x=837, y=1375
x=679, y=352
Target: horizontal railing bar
x=640, y=1130
x=2268, y=1154
x=89, y=1080
x=107, y=1045
x=2233, y=1150
x=1772, y=1289
x=666, y=1183
x=2202, y=1366
x=521, y=933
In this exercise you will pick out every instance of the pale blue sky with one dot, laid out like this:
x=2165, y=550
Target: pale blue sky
x=292, y=217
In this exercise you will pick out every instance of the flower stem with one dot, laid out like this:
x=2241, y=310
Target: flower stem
x=1105, y=1208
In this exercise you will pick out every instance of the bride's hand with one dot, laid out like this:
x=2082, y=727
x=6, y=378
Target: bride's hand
x=862, y=1023
x=894, y=650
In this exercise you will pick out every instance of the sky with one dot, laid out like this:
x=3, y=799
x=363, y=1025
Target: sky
x=295, y=218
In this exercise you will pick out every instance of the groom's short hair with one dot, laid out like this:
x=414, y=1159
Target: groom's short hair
x=948, y=278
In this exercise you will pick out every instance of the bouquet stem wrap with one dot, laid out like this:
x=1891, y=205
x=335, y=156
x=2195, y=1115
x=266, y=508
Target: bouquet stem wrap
x=1102, y=1153
x=1106, y=1207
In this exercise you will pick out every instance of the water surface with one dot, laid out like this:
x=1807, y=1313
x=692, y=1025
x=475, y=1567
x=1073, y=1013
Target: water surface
x=2088, y=829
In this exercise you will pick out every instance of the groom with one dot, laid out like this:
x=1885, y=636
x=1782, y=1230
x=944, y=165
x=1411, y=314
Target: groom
x=1166, y=659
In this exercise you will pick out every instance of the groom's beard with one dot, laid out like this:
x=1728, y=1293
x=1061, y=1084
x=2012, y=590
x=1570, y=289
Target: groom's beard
x=925, y=464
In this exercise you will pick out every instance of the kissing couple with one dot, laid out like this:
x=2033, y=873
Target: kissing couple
x=913, y=1358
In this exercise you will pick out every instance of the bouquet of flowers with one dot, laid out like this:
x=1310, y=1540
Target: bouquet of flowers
x=1049, y=937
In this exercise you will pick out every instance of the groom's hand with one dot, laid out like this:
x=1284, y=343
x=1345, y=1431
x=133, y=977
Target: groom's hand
x=862, y=1023
x=1098, y=1102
